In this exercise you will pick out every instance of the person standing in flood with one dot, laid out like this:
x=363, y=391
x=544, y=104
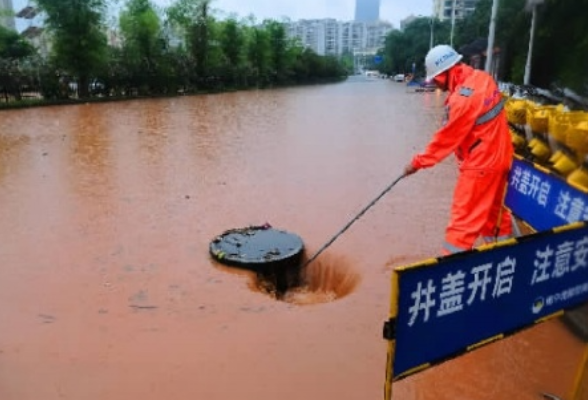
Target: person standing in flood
x=475, y=128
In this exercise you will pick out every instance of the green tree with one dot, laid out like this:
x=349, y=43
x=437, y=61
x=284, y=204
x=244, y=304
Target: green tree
x=13, y=46
x=561, y=52
x=258, y=55
x=78, y=38
x=512, y=37
x=346, y=60
x=404, y=48
x=194, y=19
x=14, y=52
x=511, y=33
x=278, y=45
x=232, y=45
x=143, y=45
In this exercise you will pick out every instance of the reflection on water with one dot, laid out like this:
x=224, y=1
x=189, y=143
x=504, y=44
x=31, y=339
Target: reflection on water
x=107, y=289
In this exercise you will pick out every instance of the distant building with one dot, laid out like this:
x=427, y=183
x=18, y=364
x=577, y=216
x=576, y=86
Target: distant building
x=332, y=37
x=443, y=9
x=406, y=21
x=6, y=19
x=367, y=10
x=33, y=30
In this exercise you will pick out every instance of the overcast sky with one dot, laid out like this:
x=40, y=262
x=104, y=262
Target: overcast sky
x=391, y=10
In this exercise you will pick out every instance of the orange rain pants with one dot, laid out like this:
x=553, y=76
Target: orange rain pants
x=477, y=210
x=476, y=130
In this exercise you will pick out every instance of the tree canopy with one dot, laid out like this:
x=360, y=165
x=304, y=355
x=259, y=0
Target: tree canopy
x=13, y=49
x=560, y=53
x=187, y=48
x=79, y=38
x=150, y=51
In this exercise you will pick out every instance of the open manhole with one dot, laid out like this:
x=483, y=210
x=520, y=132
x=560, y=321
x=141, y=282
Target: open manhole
x=276, y=257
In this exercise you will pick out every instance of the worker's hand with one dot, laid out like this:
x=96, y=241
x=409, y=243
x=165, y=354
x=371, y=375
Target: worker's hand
x=409, y=169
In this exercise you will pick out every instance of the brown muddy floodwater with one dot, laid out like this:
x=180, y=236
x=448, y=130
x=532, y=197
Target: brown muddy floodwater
x=108, y=292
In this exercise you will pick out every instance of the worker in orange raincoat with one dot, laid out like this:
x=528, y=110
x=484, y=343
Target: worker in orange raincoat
x=475, y=128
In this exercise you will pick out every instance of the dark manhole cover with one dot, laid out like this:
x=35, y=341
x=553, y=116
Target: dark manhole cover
x=275, y=255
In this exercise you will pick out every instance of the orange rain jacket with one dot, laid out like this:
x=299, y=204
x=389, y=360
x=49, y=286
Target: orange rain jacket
x=484, y=146
x=476, y=130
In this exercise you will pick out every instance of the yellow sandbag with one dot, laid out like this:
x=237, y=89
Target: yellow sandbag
x=516, y=111
x=541, y=150
x=565, y=165
x=579, y=178
x=560, y=121
x=538, y=118
x=518, y=140
x=556, y=156
x=577, y=137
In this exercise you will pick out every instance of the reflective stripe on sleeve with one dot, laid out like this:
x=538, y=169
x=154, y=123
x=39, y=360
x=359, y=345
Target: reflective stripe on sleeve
x=491, y=114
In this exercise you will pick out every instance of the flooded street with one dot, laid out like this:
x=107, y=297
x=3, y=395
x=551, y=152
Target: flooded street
x=108, y=292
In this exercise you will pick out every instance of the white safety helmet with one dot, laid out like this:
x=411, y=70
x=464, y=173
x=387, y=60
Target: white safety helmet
x=439, y=59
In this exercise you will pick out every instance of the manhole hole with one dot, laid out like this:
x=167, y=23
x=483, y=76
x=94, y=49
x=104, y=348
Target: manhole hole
x=326, y=279
x=276, y=258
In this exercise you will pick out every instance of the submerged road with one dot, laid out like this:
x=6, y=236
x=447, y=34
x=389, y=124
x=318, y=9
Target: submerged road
x=107, y=290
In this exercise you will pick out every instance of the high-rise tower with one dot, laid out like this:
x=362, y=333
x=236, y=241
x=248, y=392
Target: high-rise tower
x=367, y=10
x=6, y=19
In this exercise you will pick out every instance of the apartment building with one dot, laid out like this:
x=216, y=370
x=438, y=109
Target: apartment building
x=443, y=9
x=31, y=25
x=332, y=37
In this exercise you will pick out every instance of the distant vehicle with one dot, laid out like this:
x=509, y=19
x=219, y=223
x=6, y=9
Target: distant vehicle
x=421, y=86
x=96, y=86
x=399, y=78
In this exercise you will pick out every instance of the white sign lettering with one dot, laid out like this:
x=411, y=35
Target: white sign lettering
x=452, y=293
x=504, y=277
x=542, y=264
x=481, y=281
x=489, y=282
x=423, y=301
x=532, y=184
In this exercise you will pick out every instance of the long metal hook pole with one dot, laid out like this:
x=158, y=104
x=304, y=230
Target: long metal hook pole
x=358, y=216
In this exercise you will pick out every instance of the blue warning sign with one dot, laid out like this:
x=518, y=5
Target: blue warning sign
x=447, y=305
x=542, y=199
